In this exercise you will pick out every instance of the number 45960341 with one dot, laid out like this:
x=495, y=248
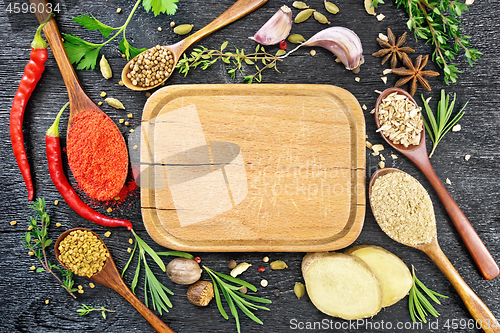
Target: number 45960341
x=17, y=7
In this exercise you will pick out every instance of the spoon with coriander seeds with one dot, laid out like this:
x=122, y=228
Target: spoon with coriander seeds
x=410, y=141
x=154, y=66
x=403, y=209
x=96, y=264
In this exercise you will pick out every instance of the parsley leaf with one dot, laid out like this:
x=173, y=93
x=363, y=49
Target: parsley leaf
x=128, y=49
x=92, y=24
x=81, y=52
x=160, y=6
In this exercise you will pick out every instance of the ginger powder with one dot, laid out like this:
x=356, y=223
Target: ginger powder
x=403, y=208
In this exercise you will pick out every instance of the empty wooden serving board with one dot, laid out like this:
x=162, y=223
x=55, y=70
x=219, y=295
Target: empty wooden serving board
x=268, y=167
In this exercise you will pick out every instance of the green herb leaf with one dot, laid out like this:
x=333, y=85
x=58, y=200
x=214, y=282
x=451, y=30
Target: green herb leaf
x=92, y=24
x=129, y=50
x=176, y=254
x=419, y=306
x=150, y=251
x=160, y=6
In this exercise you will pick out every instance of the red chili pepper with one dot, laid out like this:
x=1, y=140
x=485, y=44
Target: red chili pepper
x=53, y=147
x=32, y=74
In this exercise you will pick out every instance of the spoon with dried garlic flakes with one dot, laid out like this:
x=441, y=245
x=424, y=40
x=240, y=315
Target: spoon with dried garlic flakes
x=152, y=67
x=98, y=265
x=403, y=209
x=409, y=139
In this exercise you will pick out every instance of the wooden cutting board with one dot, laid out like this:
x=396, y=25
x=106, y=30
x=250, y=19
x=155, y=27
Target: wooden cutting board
x=264, y=167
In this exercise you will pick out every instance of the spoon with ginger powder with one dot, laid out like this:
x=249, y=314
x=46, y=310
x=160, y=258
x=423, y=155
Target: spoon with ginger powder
x=235, y=12
x=110, y=277
x=420, y=235
x=418, y=155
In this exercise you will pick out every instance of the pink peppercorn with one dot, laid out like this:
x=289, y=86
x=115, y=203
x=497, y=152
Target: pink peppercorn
x=197, y=259
x=283, y=45
x=261, y=269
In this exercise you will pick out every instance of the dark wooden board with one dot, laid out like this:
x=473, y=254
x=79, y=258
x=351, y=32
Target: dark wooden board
x=474, y=182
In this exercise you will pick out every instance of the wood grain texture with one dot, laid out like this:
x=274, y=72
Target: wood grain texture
x=474, y=182
x=253, y=168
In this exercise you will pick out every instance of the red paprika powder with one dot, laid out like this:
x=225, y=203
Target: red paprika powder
x=97, y=155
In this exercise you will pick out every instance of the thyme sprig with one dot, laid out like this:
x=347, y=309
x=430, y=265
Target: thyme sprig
x=204, y=58
x=234, y=298
x=437, y=126
x=438, y=23
x=86, y=309
x=419, y=305
x=36, y=241
x=158, y=292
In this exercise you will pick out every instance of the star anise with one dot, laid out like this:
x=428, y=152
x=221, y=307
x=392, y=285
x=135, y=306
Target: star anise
x=392, y=48
x=414, y=72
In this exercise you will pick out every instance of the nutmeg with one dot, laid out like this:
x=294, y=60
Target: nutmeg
x=183, y=271
x=200, y=293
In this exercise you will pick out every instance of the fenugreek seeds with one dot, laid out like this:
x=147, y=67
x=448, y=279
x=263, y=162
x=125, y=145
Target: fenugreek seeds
x=403, y=208
x=83, y=253
x=400, y=120
x=151, y=67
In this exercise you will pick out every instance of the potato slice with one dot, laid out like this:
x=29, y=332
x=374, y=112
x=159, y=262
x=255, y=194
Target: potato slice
x=341, y=285
x=391, y=271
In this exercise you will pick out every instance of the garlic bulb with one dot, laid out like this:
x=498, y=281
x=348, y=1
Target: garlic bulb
x=342, y=42
x=276, y=28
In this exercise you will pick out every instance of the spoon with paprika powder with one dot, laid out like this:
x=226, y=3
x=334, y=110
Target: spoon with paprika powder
x=418, y=155
x=97, y=153
x=108, y=274
x=172, y=53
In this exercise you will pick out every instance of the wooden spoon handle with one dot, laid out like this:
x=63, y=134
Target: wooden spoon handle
x=480, y=254
x=75, y=90
x=155, y=322
x=235, y=12
x=474, y=304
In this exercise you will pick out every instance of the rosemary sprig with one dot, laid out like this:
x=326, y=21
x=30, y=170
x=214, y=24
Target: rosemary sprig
x=234, y=298
x=157, y=290
x=437, y=22
x=419, y=305
x=438, y=126
x=36, y=241
x=86, y=309
x=204, y=58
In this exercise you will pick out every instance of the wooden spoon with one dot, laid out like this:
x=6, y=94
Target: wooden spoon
x=418, y=155
x=110, y=277
x=78, y=99
x=235, y=12
x=473, y=303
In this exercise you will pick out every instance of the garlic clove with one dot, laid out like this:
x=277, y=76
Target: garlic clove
x=276, y=28
x=342, y=42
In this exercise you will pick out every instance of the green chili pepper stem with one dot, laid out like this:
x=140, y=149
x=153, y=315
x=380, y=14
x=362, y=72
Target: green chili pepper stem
x=38, y=42
x=53, y=131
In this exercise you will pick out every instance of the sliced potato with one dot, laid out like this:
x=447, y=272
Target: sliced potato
x=391, y=271
x=341, y=285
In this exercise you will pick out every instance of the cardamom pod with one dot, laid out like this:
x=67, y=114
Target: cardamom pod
x=299, y=289
x=183, y=29
x=278, y=264
x=300, y=5
x=113, y=102
x=280, y=52
x=321, y=18
x=303, y=15
x=296, y=39
x=240, y=268
x=105, y=68
x=331, y=7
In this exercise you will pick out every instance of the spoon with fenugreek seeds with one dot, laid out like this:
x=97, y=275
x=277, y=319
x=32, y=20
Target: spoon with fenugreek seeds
x=403, y=209
x=97, y=153
x=97, y=265
x=411, y=143
x=152, y=67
